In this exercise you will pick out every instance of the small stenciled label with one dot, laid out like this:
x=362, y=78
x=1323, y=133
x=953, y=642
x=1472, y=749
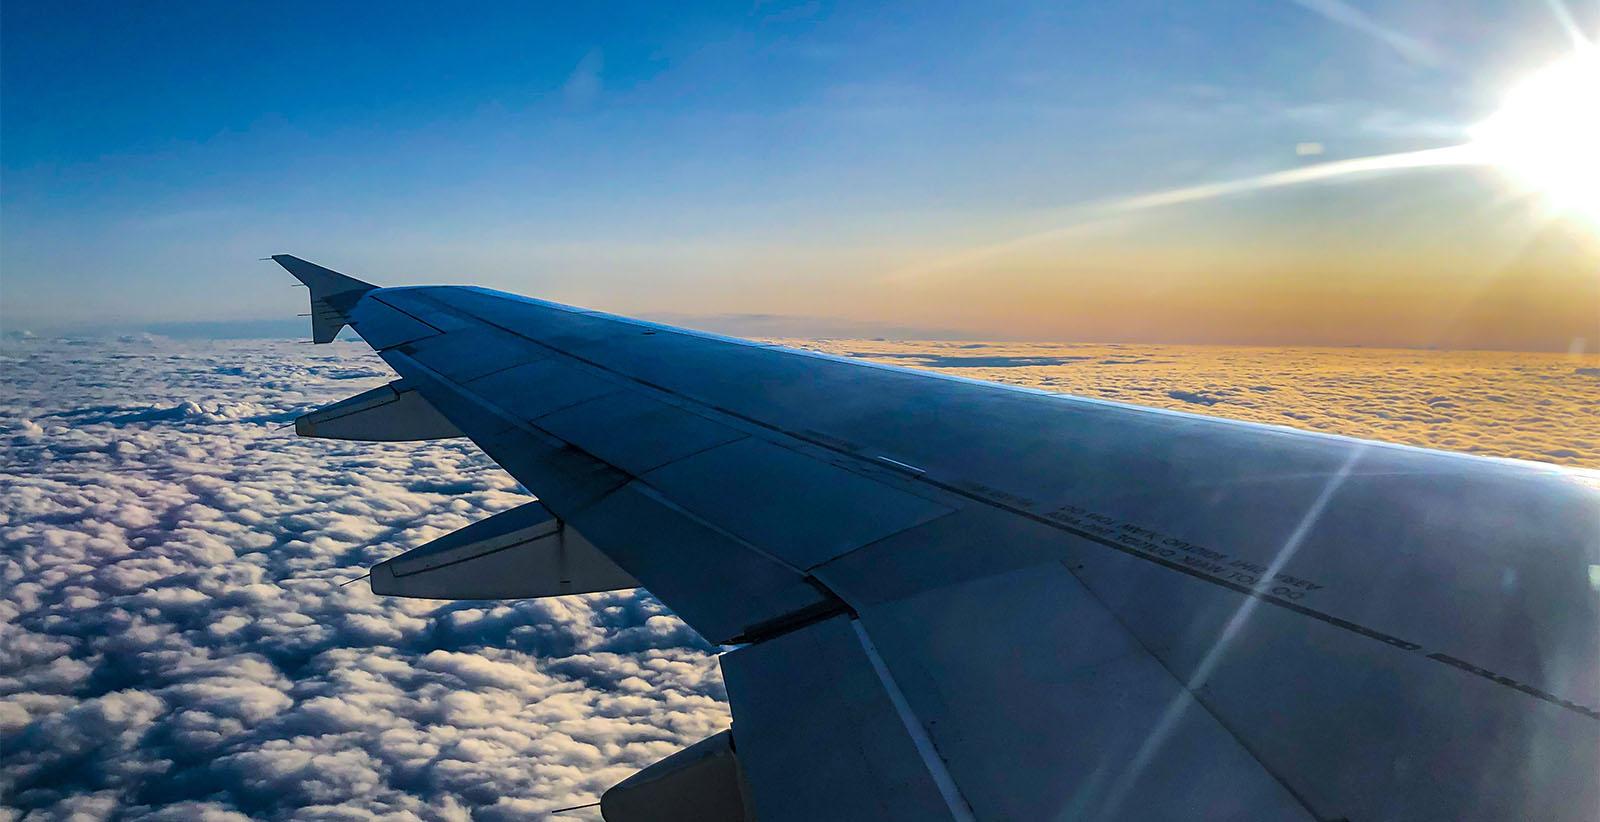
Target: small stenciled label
x=1199, y=559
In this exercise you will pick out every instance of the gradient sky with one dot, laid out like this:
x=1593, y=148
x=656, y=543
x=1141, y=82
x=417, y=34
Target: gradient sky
x=923, y=168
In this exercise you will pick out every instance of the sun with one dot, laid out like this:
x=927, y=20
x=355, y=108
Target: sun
x=1546, y=135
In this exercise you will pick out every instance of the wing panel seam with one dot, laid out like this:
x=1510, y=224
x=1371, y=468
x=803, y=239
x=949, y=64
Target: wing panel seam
x=960, y=809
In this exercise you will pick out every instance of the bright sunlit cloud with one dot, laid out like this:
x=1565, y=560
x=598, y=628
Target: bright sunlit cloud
x=1546, y=135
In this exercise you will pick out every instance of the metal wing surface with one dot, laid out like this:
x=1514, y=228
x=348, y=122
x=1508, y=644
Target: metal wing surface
x=953, y=599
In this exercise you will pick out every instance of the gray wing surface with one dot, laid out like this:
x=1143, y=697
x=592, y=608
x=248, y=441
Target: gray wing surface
x=953, y=599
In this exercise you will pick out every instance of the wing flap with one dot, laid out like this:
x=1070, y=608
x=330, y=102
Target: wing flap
x=820, y=737
x=725, y=589
x=1341, y=711
x=1045, y=707
x=563, y=477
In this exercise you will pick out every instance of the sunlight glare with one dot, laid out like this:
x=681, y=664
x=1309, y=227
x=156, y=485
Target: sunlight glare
x=1546, y=134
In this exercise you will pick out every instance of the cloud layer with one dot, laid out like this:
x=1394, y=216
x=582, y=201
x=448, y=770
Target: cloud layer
x=174, y=643
x=1532, y=406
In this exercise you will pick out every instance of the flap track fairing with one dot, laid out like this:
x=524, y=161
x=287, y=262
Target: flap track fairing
x=388, y=413
x=517, y=554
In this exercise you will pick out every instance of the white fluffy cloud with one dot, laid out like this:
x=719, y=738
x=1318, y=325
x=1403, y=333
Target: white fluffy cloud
x=174, y=643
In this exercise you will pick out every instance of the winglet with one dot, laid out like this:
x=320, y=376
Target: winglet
x=332, y=295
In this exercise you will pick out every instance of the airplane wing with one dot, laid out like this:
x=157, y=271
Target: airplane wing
x=949, y=599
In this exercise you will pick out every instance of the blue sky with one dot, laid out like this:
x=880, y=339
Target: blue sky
x=709, y=158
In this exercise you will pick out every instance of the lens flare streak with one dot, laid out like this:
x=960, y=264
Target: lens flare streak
x=1467, y=154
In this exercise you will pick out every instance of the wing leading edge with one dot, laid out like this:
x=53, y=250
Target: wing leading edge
x=962, y=600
